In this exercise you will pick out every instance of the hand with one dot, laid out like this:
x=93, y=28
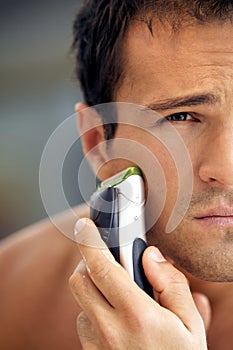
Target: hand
x=117, y=314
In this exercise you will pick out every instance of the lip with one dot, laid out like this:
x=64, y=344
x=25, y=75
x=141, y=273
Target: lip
x=220, y=216
x=219, y=211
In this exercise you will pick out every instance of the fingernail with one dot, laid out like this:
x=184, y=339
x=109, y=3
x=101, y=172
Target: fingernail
x=87, y=234
x=80, y=226
x=155, y=255
x=80, y=267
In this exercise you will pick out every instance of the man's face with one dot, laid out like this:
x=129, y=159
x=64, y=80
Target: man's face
x=188, y=76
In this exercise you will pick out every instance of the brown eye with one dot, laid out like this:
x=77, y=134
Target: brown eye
x=179, y=117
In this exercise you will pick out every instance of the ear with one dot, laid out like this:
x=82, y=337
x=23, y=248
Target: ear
x=93, y=141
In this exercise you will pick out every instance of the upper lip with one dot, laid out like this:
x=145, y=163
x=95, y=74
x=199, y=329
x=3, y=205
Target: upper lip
x=218, y=211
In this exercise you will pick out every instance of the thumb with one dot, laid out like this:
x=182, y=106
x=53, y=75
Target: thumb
x=173, y=288
x=204, y=308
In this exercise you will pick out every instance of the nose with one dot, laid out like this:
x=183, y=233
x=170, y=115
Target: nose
x=216, y=166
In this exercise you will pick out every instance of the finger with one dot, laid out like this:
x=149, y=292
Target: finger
x=203, y=305
x=90, y=299
x=86, y=333
x=108, y=276
x=173, y=287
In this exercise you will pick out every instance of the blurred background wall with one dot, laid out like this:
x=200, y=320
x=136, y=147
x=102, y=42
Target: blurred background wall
x=38, y=91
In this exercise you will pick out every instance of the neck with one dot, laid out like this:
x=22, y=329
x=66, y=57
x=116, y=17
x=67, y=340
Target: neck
x=217, y=292
x=219, y=334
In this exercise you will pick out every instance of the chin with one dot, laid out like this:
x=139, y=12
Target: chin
x=211, y=272
x=205, y=255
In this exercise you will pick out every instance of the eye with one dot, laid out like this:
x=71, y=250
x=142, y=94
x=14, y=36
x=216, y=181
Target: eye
x=180, y=117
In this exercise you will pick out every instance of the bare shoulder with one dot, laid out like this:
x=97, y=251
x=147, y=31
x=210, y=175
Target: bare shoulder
x=35, y=265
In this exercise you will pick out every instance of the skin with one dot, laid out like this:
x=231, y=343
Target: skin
x=37, y=309
x=203, y=247
x=201, y=244
x=108, y=297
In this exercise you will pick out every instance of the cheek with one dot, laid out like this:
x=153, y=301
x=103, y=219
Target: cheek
x=133, y=146
x=168, y=168
x=195, y=153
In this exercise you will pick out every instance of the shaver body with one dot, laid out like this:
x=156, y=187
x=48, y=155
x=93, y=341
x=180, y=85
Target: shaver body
x=117, y=208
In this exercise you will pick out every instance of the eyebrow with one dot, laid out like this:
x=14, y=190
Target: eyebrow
x=186, y=101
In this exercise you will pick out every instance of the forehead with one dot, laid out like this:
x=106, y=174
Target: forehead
x=167, y=62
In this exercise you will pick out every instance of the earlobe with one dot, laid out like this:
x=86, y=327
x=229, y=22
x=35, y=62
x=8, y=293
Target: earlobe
x=92, y=134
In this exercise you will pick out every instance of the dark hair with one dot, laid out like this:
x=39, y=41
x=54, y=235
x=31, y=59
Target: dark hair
x=100, y=27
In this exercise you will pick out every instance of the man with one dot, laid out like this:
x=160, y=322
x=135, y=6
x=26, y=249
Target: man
x=175, y=57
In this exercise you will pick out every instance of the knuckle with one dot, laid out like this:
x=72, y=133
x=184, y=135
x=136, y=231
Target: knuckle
x=108, y=336
x=179, y=278
x=139, y=321
x=147, y=320
x=99, y=270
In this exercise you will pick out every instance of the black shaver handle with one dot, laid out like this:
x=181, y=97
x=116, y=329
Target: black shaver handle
x=139, y=245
